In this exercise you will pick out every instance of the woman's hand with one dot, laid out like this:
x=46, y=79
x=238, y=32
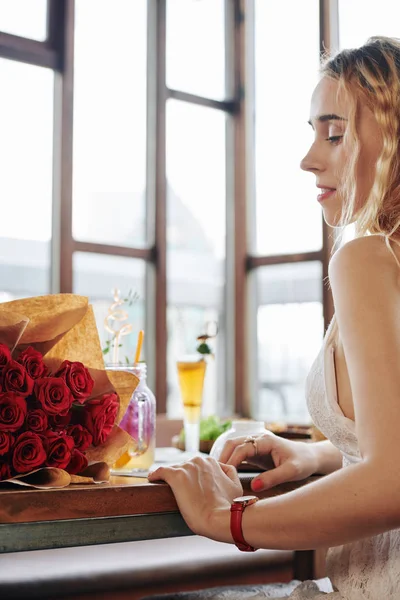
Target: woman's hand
x=291, y=461
x=204, y=490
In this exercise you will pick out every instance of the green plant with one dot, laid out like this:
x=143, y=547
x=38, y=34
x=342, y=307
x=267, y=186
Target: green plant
x=210, y=428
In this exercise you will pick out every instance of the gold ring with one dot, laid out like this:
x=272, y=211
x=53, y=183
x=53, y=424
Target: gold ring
x=253, y=440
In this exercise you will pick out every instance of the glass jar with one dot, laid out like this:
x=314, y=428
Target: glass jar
x=237, y=429
x=139, y=421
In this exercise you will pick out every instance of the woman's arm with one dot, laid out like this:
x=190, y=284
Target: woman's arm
x=354, y=502
x=342, y=507
x=364, y=499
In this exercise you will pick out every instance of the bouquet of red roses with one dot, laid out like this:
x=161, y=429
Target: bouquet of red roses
x=46, y=419
x=56, y=412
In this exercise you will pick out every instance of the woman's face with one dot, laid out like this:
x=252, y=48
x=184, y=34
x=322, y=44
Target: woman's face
x=328, y=155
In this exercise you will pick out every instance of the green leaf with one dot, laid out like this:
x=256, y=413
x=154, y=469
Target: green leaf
x=210, y=428
x=204, y=348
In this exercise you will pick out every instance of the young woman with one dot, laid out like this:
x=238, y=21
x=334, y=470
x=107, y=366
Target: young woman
x=353, y=389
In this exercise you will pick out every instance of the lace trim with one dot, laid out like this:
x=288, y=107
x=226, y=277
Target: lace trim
x=322, y=400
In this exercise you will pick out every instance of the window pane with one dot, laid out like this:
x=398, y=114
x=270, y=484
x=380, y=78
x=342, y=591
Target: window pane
x=97, y=276
x=290, y=330
x=354, y=31
x=196, y=47
x=26, y=18
x=26, y=155
x=288, y=217
x=110, y=122
x=195, y=240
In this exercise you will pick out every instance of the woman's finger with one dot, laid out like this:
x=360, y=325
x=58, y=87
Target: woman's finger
x=269, y=479
x=250, y=451
x=156, y=475
x=242, y=452
x=229, y=448
x=264, y=443
x=161, y=474
x=230, y=471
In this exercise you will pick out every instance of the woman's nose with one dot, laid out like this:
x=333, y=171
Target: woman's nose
x=311, y=162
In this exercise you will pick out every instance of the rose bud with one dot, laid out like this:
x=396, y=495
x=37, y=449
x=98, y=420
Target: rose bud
x=54, y=395
x=5, y=356
x=14, y=378
x=36, y=420
x=99, y=417
x=12, y=411
x=28, y=452
x=6, y=442
x=60, y=422
x=59, y=449
x=82, y=437
x=77, y=378
x=78, y=463
x=32, y=360
x=5, y=471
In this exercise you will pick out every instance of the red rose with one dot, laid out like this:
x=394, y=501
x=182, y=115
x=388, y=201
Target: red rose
x=5, y=471
x=14, y=378
x=77, y=378
x=82, y=437
x=29, y=452
x=12, y=411
x=32, y=360
x=36, y=420
x=77, y=463
x=5, y=356
x=54, y=395
x=6, y=442
x=99, y=417
x=59, y=449
x=60, y=422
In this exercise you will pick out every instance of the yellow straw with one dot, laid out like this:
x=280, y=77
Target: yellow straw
x=139, y=346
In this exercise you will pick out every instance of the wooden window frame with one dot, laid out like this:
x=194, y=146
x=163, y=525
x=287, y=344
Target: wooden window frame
x=57, y=53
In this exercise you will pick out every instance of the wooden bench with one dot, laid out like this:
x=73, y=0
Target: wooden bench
x=134, y=569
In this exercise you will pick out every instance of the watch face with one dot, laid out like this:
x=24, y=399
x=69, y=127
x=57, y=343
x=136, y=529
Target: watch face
x=241, y=499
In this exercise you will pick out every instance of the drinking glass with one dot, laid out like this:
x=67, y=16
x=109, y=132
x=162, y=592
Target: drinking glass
x=191, y=372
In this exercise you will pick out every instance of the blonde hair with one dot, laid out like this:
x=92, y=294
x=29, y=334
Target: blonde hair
x=371, y=75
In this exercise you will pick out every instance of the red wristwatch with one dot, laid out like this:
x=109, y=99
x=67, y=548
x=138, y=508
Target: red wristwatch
x=237, y=507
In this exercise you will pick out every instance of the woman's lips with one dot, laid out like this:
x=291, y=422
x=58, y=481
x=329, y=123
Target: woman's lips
x=325, y=193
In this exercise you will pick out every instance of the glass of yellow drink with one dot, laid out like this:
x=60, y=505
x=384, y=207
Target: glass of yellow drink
x=191, y=372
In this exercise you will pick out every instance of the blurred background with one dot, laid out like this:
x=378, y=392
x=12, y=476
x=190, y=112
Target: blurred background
x=154, y=146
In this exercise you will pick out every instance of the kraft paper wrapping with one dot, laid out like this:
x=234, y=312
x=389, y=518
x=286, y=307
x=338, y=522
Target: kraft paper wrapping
x=62, y=327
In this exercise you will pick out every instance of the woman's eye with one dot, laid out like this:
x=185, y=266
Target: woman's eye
x=334, y=139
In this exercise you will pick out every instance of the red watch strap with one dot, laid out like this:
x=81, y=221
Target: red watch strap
x=236, y=528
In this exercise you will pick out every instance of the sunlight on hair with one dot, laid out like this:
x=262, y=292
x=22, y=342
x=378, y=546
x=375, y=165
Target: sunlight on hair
x=370, y=75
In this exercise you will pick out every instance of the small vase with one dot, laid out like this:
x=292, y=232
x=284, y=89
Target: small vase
x=139, y=421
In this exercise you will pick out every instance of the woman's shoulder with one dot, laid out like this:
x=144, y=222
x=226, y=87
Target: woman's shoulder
x=368, y=256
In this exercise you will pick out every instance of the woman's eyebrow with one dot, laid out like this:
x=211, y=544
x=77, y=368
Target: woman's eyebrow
x=324, y=118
